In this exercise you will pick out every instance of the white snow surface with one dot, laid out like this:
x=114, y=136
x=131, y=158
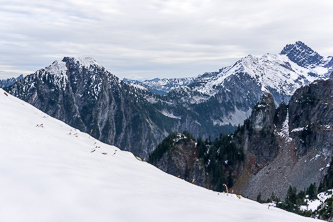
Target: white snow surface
x=171, y=115
x=311, y=205
x=48, y=172
x=138, y=86
x=298, y=129
x=235, y=118
x=321, y=198
x=57, y=68
x=86, y=61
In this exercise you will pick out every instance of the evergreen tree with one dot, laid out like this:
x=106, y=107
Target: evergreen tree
x=290, y=203
x=259, y=200
x=312, y=191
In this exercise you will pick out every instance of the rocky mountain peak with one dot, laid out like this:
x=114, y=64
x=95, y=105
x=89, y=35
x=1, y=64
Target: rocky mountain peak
x=82, y=61
x=302, y=55
x=60, y=67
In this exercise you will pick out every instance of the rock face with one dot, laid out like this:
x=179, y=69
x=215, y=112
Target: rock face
x=261, y=125
x=83, y=94
x=205, y=163
x=302, y=55
x=182, y=161
x=294, y=149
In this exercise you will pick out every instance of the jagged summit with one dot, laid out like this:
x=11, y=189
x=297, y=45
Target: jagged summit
x=302, y=55
x=60, y=67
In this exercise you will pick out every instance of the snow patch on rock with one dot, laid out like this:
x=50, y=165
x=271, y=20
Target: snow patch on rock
x=236, y=118
x=284, y=133
x=86, y=62
x=171, y=115
x=58, y=68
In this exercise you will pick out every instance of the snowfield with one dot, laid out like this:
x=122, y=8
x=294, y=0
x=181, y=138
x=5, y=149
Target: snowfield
x=51, y=172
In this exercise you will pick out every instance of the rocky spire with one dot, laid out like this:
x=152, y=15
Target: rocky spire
x=301, y=54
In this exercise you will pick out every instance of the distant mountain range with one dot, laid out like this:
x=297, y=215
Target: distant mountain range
x=136, y=116
x=10, y=81
x=296, y=65
x=162, y=86
x=237, y=88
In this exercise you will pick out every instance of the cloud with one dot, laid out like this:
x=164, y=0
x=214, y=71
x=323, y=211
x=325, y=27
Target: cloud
x=157, y=38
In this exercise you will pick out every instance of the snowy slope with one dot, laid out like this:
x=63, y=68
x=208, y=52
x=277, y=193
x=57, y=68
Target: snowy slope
x=52, y=172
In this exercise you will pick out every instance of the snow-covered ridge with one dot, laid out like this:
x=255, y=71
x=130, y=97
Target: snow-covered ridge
x=270, y=71
x=53, y=172
x=59, y=67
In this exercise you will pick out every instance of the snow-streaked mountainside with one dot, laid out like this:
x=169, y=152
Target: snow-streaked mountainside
x=86, y=96
x=50, y=171
x=270, y=71
x=161, y=86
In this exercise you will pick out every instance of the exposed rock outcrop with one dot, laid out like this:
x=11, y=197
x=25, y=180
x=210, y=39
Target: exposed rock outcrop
x=209, y=164
x=297, y=145
x=182, y=161
x=291, y=145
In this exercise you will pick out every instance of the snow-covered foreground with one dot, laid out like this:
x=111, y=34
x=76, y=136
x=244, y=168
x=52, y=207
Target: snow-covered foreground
x=48, y=172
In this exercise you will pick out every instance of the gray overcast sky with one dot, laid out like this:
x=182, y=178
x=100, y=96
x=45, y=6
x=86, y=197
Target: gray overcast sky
x=157, y=38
